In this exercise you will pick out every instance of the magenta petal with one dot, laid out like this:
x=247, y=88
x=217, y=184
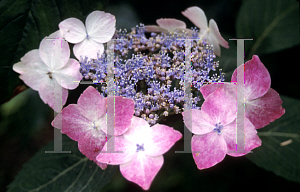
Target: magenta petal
x=142, y=169
x=91, y=104
x=91, y=143
x=210, y=88
x=163, y=138
x=198, y=122
x=121, y=144
x=220, y=106
x=251, y=140
x=266, y=109
x=71, y=122
x=208, y=149
x=257, y=78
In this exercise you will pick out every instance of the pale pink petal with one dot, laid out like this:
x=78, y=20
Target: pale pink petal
x=163, y=138
x=208, y=149
x=57, y=35
x=123, y=112
x=170, y=24
x=220, y=106
x=88, y=48
x=32, y=69
x=266, y=109
x=72, y=123
x=52, y=93
x=100, y=26
x=154, y=28
x=127, y=152
x=139, y=131
x=257, y=78
x=90, y=144
x=48, y=53
x=69, y=76
x=196, y=16
x=198, y=122
x=142, y=169
x=207, y=89
x=73, y=30
x=251, y=140
x=91, y=104
x=212, y=40
x=214, y=30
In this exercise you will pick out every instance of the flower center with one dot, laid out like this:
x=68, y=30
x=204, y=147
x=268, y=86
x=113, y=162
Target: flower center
x=218, y=128
x=87, y=36
x=50, y=75
x=140, y=147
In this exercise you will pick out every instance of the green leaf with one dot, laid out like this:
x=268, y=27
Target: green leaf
x=273, y=25
x=281, y=158
x=61, y=171
x=24, y=23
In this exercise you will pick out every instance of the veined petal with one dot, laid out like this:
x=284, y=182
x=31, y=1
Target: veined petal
x=265, y=109
x=214, y=30
x=69, y=76
x=72, y=122
x=73, y=30
x=198, y=122
x=52, y=93
x=90, y=144
x=208, y=149
x=171, y=24
x=91, y=104
x=212, y=40
x=142, y=169
x=206, y=90
x=127, y=148
x=88, y=48
x=251, y=140
x=32, y=69
x=154, y=28
x=48, y=53
x=100, y=26
x=257, y=78
x=196, y=16
x=162, y=138
x=220, y=106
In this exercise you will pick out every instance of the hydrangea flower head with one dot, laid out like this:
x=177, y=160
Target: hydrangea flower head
x=166, y=25
x=262, y=103
x=86, y=121
x=214, y=127
x=209, y=32
x=39, y=70
x=142, y=149
x=99, y=28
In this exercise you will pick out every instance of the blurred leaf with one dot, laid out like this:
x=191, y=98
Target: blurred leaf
x=281, y=158
x=24, y=23
x=61, y=171
x=273, y=25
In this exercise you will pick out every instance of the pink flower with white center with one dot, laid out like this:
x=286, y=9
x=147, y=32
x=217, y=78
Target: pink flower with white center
x=86, y=121
x=166, y=25
x=211, y=32
x=40, y=71
x=214, y=127
x=99, y=28
x=262, y=103
x=142, y=149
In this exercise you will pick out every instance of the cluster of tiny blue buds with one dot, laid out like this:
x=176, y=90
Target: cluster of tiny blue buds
x=150, y=69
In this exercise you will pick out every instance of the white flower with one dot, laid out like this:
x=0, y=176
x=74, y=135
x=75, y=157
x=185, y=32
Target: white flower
x=211, y=32
x=99, y=28
x=166, y=25
x=40, y=70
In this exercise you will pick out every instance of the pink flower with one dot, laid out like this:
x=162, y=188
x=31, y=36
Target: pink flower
x=100, y=27
x=214, y=127
x=86, y=122
x=39, y=70
x=142, y=148
x=262, y=103
x=210, y=33
x=166, y=25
